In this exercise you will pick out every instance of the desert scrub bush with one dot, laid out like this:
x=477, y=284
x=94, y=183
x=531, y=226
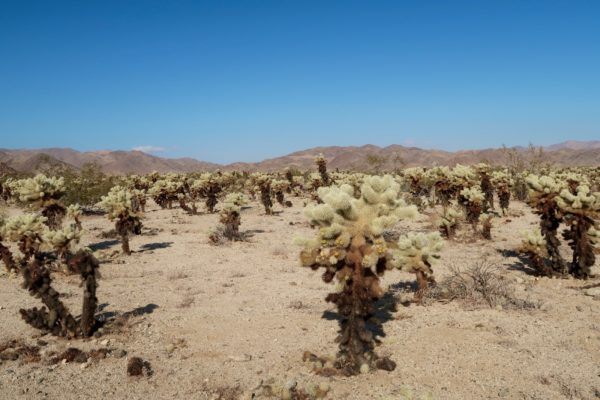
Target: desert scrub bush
x=503, y=183
x=543, y=193
x=473, y=200
x=481, y=284
x=87, y=186
x=351, y=247
x=534, y=246
x=44, y=194
x=230, y=219
x=450, y=222
x=581, y=212
x=119, y=208
x=321, y=162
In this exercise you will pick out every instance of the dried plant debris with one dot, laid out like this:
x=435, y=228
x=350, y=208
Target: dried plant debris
x=481, y=285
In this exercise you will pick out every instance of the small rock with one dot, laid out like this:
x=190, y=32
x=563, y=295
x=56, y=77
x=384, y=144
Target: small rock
x=105, y=342
x=119, y=353
x=592, y=292
x=519, y=280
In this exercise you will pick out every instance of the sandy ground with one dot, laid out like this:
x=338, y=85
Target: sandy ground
x=215, y=322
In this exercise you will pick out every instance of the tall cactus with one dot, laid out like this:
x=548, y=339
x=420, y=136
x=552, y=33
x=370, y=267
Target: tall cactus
x=351, y=247
x=581, y=213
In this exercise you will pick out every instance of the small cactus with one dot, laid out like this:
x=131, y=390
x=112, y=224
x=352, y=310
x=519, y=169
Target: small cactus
x=119, y=208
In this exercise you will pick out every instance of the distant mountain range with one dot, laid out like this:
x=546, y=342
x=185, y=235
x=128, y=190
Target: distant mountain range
x=570, y=153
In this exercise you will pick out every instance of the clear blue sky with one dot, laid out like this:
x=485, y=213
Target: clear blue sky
x=224, y=80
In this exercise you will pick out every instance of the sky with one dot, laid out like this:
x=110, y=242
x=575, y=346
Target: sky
x=226, y=81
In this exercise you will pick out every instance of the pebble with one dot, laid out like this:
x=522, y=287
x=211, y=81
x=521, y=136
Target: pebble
x=105, y=342
x=592, y=292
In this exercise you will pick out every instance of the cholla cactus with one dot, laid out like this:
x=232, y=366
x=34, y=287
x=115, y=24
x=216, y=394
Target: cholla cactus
x=208, y=186
x=442, y=183
x=321, y=162
x=28, y=230
x=543, y=193
x=534, y=245
x=279, y=188
x=74, y=213
x=5, y=253
x=473, y=202
x=351, y=247
x=57, y=319
x=63, y=241
x=416, y=179
x=486, y=186
x=503, y=183
x=43, y=193
x=230, y=218
x=164, y=192
x=486, y=225
x=449, y=222
x=581, y=211
x=263, y=182
x=118, y=206
x=416, y=253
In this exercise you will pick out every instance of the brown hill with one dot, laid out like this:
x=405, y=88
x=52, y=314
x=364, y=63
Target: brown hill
x=360, y=158
x=111, y=162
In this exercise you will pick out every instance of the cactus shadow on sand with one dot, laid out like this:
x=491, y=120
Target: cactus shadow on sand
x=521, y=265
x=105, y=244
x=155, y=246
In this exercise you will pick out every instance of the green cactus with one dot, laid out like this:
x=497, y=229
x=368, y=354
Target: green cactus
x=230, y=218
x=503, y=183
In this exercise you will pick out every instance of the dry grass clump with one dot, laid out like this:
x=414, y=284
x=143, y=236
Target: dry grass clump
x=480, y=285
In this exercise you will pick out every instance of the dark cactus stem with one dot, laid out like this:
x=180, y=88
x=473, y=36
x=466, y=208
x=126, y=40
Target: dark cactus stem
x=504, y=197
x=473, y=213
x=355, y=306
x=549, y=224
x=56, y=319
x=54, y=216
x=583, y=250
x=87, y=267
x=124, y=226
x=486, y=230
x=322, y=166
x=265, y=197
x=280, y=198
x=488, y=191
x=231, y=221
x=7, y=258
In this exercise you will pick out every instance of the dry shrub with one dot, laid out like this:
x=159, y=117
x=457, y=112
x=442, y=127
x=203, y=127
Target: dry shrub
x=479, y=285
